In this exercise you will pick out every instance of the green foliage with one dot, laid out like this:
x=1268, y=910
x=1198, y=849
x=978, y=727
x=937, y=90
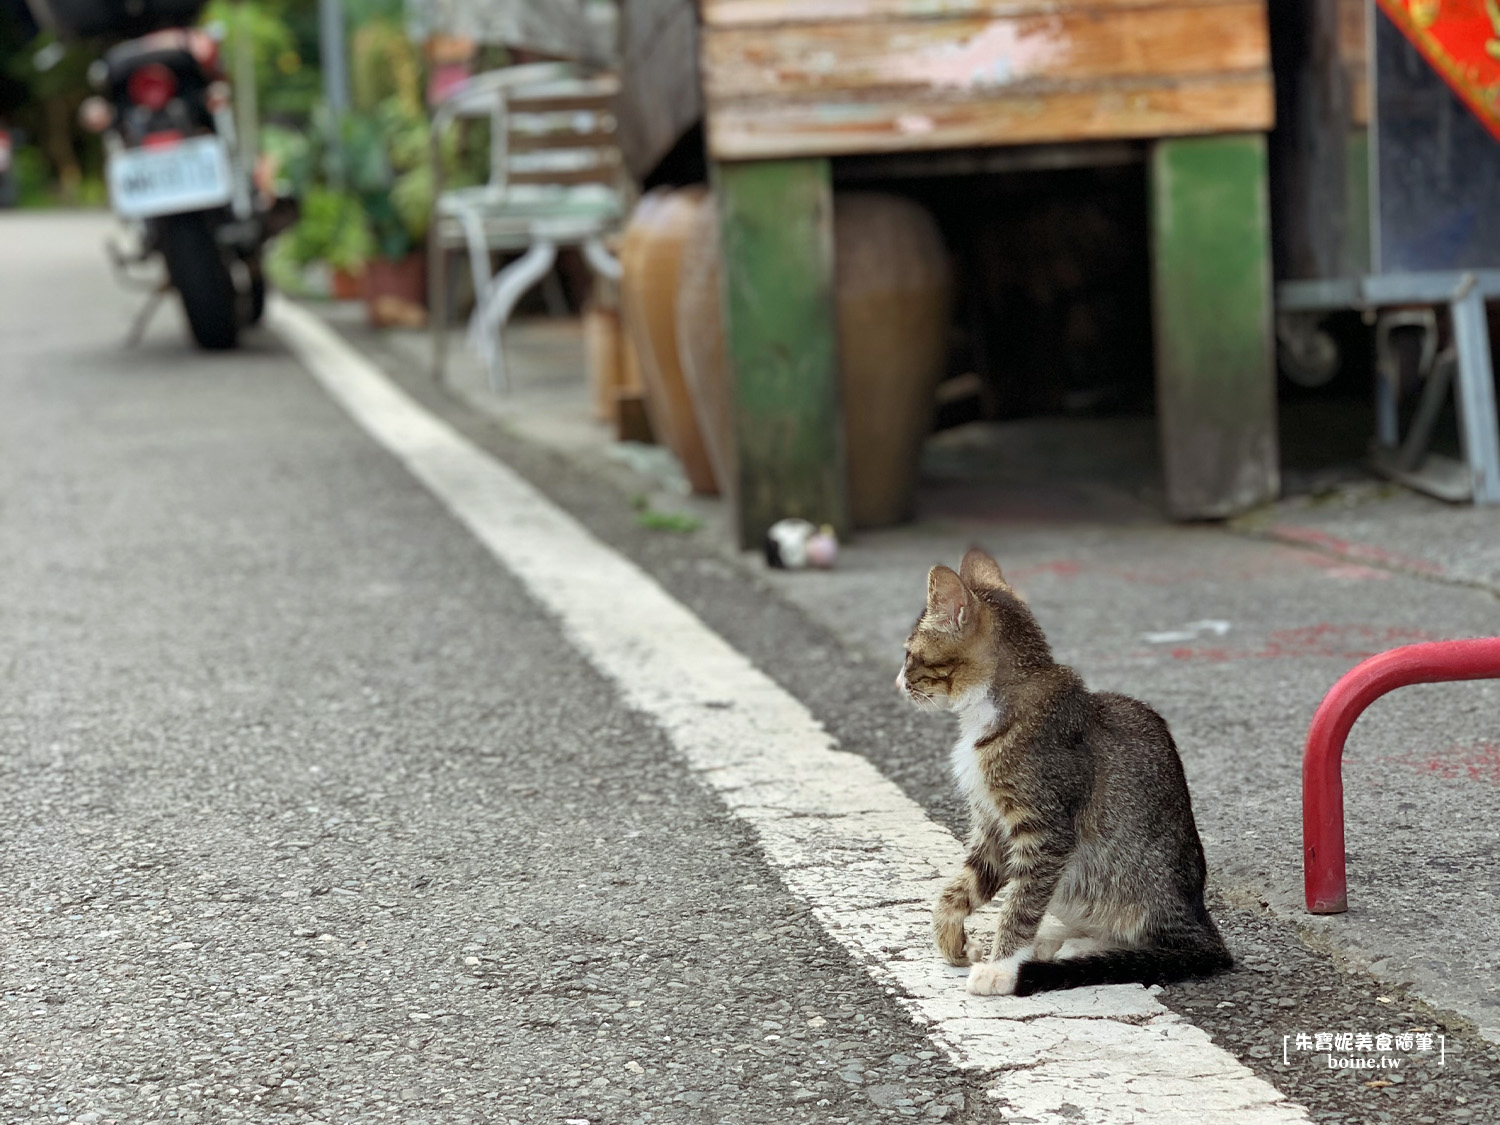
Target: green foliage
x=680, y=522
x=384, y=66
x=285, y=86
x=411, y=196
x=333, y=228
x=378, y=170
x=92, y=192
x=376, y=158
x=293, y=154
x=53, y=77
x=52, y=69
x=33, y=177
x=383, y=159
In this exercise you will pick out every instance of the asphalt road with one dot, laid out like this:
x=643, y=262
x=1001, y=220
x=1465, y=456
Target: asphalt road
x=311, y=813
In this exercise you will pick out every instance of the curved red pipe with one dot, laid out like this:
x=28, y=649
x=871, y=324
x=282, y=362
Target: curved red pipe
x=1322, y=782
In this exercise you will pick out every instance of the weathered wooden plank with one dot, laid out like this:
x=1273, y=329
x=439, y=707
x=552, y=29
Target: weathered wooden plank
x=781, y=336
x=581, y=103
x=763, y=13
x=562, y=139
x=1354, y=50
x=1211, y=289
x=601, y=173
x=761, y=129
x=982, y=57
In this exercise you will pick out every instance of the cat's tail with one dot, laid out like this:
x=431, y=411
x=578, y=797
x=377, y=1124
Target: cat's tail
x=1153, y=965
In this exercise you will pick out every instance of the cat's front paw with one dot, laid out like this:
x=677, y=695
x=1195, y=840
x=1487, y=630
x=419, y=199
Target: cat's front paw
x=993, y=978
x=953, y=941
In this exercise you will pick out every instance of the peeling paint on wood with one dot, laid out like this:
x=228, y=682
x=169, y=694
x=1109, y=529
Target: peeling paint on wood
x=984, y=55
x=744, y=13
x=1218, y=104
x=1050, y=74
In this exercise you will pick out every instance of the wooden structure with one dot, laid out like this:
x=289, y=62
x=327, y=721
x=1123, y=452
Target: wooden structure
x=660, y=97
x=789, y=86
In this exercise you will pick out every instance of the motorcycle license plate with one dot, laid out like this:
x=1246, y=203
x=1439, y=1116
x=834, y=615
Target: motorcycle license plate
x=191, y=175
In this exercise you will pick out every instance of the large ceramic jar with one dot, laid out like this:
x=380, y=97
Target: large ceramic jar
x=893, y=293
x=650, y=256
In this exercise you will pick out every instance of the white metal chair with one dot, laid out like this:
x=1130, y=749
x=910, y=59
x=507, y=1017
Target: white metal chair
x=555, y=181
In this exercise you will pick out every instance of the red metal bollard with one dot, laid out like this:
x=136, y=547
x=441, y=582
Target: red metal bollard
x=1322, y=781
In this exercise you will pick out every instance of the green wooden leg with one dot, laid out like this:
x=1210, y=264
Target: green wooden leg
x=781, y=335
x=1215, y=357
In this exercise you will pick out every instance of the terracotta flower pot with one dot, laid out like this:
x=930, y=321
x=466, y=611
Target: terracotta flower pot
x=346, y=285
x=396, y=291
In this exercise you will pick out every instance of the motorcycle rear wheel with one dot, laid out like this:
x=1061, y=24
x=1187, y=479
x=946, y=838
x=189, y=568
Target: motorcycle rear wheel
x=201, y=276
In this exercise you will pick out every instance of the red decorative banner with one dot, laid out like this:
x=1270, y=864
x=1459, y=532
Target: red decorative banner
x=1461, y=40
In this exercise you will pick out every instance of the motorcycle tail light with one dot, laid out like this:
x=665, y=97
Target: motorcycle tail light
x=151, y=86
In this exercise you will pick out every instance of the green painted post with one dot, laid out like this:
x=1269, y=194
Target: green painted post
x=1215, y=354
x=781, y=336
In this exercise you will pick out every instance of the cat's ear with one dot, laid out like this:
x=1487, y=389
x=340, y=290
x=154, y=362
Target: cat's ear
x=980, y=571
x=950, y=606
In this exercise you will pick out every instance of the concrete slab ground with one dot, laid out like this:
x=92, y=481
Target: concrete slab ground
x=1233, y=632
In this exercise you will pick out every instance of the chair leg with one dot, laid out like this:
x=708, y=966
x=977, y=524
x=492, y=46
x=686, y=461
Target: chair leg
x=472, y=225
x=500, y=299
x=1476, y=392
x=601, y=261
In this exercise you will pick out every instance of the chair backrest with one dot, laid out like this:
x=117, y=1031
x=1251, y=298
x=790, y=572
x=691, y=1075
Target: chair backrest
x=551, y=125
x=563, y=132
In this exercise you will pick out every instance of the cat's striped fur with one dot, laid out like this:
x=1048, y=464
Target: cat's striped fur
x=1080, y=819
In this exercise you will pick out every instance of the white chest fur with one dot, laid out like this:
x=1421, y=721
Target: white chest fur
x=976, y=716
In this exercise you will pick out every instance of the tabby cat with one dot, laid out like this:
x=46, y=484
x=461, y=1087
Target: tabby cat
x=1079, y=810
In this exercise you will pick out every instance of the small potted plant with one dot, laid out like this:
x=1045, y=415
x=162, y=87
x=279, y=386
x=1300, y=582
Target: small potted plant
x=385, y=164
x=333, y=232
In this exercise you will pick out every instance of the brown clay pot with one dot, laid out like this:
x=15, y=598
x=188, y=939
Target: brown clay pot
x=700, y=344
x=606, y=362
x=395, y=291
x=893, y=292
x=346, y=285
x=650, y=255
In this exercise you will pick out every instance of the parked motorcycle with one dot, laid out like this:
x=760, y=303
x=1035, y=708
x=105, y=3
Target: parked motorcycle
x=176, y=171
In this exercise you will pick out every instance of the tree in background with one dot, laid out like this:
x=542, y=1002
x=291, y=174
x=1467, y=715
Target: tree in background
x=283, y=38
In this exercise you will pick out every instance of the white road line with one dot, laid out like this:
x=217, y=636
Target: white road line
x=844, y=838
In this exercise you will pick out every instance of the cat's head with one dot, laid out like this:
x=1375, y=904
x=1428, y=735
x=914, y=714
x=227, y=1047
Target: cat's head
x=974, y=631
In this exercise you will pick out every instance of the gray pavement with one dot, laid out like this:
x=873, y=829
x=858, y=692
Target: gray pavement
x=313, y=816
x=1292, y=608
x=309, y=812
